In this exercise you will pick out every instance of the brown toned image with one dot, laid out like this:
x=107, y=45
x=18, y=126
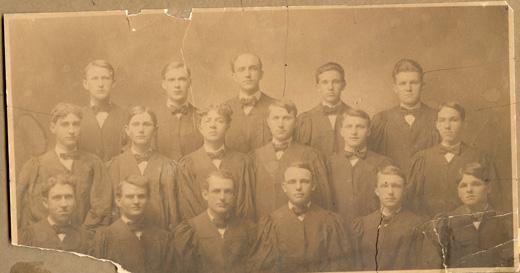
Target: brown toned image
x=266, y=139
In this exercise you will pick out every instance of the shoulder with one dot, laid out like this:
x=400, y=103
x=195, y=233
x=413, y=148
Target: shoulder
x=89, y=157
x=310, y=113
x=383, y=115
x=378, y=159
x=238, y=156
x=267, y=98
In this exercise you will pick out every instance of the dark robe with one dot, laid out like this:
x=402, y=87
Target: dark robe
x=314, y=129
x=107, y=141
x=193, y=171
x=152, y=253
x=178, y=137
x=433, y=181
x=391, y=240
x=42, y=234
x=202, y=249
x=353, y=187
x=393, y=137
x=248, y=132
x=316, y=244
x=463, y=245
x=269, y=173
x=93, y=189
x=161, y=209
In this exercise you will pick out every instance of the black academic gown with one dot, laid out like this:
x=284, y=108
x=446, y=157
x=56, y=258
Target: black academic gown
x=314, y=129
x=42, y=234
x=152, y=253
x=178, y=137
x=393, y=137
x=248, y=132
x=269, y=173
x=433, y=180
x=353, y=187
x=392, y=241
x=161, y=172
x=202, y=249
x=316, y=244
x=93, y=189
x=107, y=141
x=193, y=171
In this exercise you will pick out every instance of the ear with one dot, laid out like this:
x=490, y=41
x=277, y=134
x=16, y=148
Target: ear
x=52, y=127
x=45, y=203
x=127, y=130
x=369, y=131
x=205, y=194
x=376, y=191
x=313, y=187
x=118, y=201
x=163, y=84
x=284, y=187
x=85, y=84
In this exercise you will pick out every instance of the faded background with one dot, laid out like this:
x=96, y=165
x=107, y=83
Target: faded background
x=463, y=49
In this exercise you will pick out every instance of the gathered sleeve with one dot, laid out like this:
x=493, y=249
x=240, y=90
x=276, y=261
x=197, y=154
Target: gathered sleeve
x=245, y=206
x=320, y=172
x=415, y=187
x=190, y=203
x=101, y=197
x=26, y=180
x=186, y=247
x=340, y=247
x=170, y=194
x=264, y=253
x=303, y=131
x=376, y=140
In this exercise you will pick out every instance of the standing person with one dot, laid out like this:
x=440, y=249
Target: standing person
x=57, y=230
x=248, y=129
x=319, y=127
x=93, y=189
x=353, y=171
x=177, y=135
x=386, y=238
x=272, y=159
x=215, y=241
x=434, y=171
x=103, y=120
x=137, y=245
x=212, y=156
x=142, y=159
x=301, y=236
x=405, y=129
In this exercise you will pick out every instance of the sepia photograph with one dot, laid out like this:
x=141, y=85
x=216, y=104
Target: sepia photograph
x=267, y=139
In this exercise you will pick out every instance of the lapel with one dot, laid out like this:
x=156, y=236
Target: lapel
x=260, y=106
x=154, y=167
x=205, y=162
x=51, y=236
x=129, y=163
x=50, y=159
x=267, y=157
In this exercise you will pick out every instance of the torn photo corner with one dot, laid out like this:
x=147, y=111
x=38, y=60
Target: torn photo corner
x=267, y=139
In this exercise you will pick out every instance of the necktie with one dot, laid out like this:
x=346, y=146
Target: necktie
x=216, y=155
x=299, y=211
x=174, y=110
x=250, y=101
x=280, y=146
x=62, y=229
x=358, y=154
x=452, y=149
x=142, y=157
x=69, y=155
x=100, y=108
x=327, y=110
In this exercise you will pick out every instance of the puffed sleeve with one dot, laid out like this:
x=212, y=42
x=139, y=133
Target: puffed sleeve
x=189, y=202
x=415, y=187
x=376, y=140
x=340, y=247
x=100, y=245
x=100, y=197
x=357, y=235
x=264, y=252
x=170, y=193
x=26, y=180
x=319, y=170
x=303, y=132
x=245, y=207
x=186, y=248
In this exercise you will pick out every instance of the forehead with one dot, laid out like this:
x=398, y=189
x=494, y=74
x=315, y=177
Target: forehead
x=389, y=178
x=213, y=114
x=68, y=117
x=218, y=182
x=94, y=70
x=297, y=173
x=127, y=188
x=246, y=60
x=330, y=75
x=176, y=72
x=277, y=110
x=59, y=189
x=354, y=120
x=468, y=178
x=408, y=75
x=448, y=112
x=141, y=117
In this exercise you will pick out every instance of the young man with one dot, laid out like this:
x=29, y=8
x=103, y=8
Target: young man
x=57, y=230
x=213, y=156
x=215, y=240
x=353, y=171
x=434, y=171
x=386, y=238
x=301, y=236
x=138, y=246
x=178, y=134
x=93, y=190
x=103, y=120
x=402, y=131
x=272, y=160
x=248, y=129
x=141, y=159
x=319, y=127
x=474, y=234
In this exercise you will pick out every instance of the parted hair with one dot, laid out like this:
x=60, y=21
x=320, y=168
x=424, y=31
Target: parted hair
x=391, y=170
x=222, y=109
x=302, y=165
x=474, y=169
x=235, y=58
x=63, y=109
x=354, y=112
x=61, y=179
x=133, y=179
x=407, y=65
x=139, y=109
x=220, y=174
x=330, y=66
x=175, y=65
x=100, y=63
x=286, y=104
x=455, y=106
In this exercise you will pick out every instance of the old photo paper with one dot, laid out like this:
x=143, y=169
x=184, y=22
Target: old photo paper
x=267, y=139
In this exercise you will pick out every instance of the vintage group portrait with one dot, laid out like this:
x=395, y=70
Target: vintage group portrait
x=283, y=139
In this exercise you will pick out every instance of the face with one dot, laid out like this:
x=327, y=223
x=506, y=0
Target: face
x=98, y=81
x=355, y=131
x=220, y=195
x=330, y=85
x=298, y=185
x=176, y=83
x=66, y=130
x=141, y=129
x=407, y=86
x=390, y=189
x=247, y=73
x=60, y=203
x=132, y=201
x=281, y=123
x=449, y=124
x=213, y=126
x=473, y=191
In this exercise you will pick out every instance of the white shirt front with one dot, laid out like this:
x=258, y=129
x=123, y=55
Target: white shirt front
x=142, y=165
x=221, y=231
x=101, y=117
x=169, y=104
x=300, y=217
x=137, y=233
x=247, y=109
x=61, y=236
x=410, y=119
x=215, y=162
x=67, y=163
x=354, y=160
x=332, y=118
x=280, y=153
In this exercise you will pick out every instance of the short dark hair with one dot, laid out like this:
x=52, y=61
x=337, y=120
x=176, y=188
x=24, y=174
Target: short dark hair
x=222, y=109
x=455, y=106
x=139, y=109
x=330, y=66
x=474, y=169
x=63, y=109
x=175, y=65
x=353, y=112
x=100, y=63
x=235, y=58
x=286, y=104
x=407, y=65
x=222, y=174
x=301, y=165
x=391, y=170
x=62, y=179
x=136, y=180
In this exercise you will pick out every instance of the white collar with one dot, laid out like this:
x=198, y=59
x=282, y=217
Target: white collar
x=257, y=95
x=209, y=150
x=324, y=103
x=91, y=103
x=134, y=152
x=417, y=106
x=60, y=150
x=52, y=222
x=291, y=205
x=169, y=103
x=277, y=142
x=349, y=149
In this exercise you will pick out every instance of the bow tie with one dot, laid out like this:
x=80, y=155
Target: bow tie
x=327, y=110
x=216, y=155
x=412, y=112
x=250, y=101
x=220, y=222
x=280, y=146
x=62, y=229
x=358, y=154
x=299, y=211
x=100, y=108
x=142, y=157
x=178, y=109
x=135, y=226
x=452, y=149
x=69, y=155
